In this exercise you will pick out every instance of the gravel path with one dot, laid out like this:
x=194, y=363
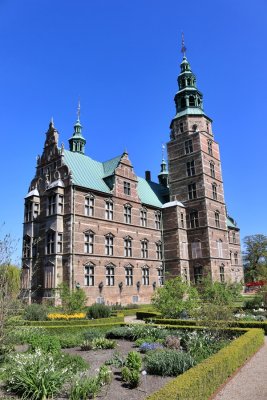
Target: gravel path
x=250, y=383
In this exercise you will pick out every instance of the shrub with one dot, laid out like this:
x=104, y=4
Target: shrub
x=86, y=345
x=103, y=343
x=104, y=375
x=133, y=361
x=150, y=346
x=36, y=312
x=137, y=331
x=98, y=311
x=167, y=362
x=69, y=340
x=172, y=342
x=73, y=363
x=35, y=376
x=91, y=334
x=117, y=360
x=84, y=388
x=131, y=377
x=48, y=344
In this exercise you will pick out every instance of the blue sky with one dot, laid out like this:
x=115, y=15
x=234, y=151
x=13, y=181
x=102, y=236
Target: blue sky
x=121, y=59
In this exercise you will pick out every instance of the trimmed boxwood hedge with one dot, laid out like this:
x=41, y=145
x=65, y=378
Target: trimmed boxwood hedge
x=200, y=382
x=190, y=322
x=70, y=323
x=147, y=314
x=60, y=330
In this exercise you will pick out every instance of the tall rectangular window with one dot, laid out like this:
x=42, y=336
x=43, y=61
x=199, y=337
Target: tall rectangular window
x=196, y=249
x=198, y=273
x=159, y=250
x=51, y=204
x=109, y=210
x=26, y=246
x=193, y=219
x=89, y=203
x=160, y=276
x=222, y=274
x=190, y=168
x=157, y=219
x=212, y=170
x=214, y=191
x=89, y=275
x=128, y=276
x=145, y=276
x=127, y=247
x=110, y=275
x=217, y=219
x=236, y=258
x=182, y=220
x=192, y=191
x=188, y=146
x=127, y=188
x=50, y=242
x=144, y=249
x=185, y=274
x=109, y=245
x=210, y=147
x=35, y=210
x=127, y=214
x=60, y=204
x=234, y=237
x=143, y=217
x=219, y=249
x=60, y=242
x=28, y=212
x=89, y=242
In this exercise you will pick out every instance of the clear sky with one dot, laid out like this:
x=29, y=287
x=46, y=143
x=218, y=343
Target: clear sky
x=121, y=59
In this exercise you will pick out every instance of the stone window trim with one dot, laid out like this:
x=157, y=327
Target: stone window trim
x=160, y=271
x=129, y=274
x=217, y=219
x=109, y=209
x=89, y=274
x=25, y=277
x=89, y=239
x=110, y=274
x=210, y=150
x=157, y=219
x=236, y=258
x=31, y=210
x=198, y=273
x=192, y=191
x=109, y=244
x=159, y=249
x=143, y=217
x=188, y=146
x=89, y=205
x=49, y=275
x=193, y=219
x=55, y=204
x=127, y=188
x=26, y=251
x=212, y=169
x=127, y=213
x=144, y=248
x=219, y=248
x=50, y=238
x=196, y=249
x=60, y=242
x=145, y=275
x=127, y=246
x=214, y=191
x=190, y=168
x=222, y=273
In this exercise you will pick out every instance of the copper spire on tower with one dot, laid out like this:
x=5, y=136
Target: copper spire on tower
x=183, y=49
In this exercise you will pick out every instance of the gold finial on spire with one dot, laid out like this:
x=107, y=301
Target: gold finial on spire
x=79, y=110
x=183, y=49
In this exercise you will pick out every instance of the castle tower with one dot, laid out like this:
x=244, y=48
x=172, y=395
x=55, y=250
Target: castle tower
x=195, y=180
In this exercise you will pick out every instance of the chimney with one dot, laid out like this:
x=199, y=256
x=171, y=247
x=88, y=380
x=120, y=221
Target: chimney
x=148, y=176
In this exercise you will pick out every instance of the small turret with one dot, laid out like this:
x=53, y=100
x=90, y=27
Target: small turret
x=77, y=141
x=163, y=176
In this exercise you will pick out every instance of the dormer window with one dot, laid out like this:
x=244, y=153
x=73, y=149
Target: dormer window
x=127, y=188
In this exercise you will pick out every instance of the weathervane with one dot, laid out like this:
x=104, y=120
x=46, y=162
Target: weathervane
x=79, y=110
x=183, y=49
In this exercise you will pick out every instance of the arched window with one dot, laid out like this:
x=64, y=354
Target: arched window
x=217, y=219
x=191, y=101
x=212, y=169
x=214, y=191
x=222, y=278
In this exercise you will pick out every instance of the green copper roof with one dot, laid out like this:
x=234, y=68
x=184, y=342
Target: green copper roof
x=231, y=222
x=90, y=174
x=189, y=111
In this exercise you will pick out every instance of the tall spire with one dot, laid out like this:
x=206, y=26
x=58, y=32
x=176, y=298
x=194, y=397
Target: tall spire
x=163, y=176
x=77, y=141
x=188, y=99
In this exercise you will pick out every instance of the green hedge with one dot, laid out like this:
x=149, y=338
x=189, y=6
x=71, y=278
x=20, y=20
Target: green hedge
x=147, y=314
x=60, y=330
x=200, y=382
x=79, y=322
x=190, y=322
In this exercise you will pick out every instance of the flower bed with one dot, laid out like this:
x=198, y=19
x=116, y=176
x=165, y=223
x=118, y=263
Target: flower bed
x=65, y=317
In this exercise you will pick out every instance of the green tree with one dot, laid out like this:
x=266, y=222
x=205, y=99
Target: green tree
x=255, y=257
x=175, y=298
x=72, y=301
x=216, y=302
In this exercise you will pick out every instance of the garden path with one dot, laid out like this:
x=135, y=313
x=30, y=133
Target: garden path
x=131, y=319
x=250, y=382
